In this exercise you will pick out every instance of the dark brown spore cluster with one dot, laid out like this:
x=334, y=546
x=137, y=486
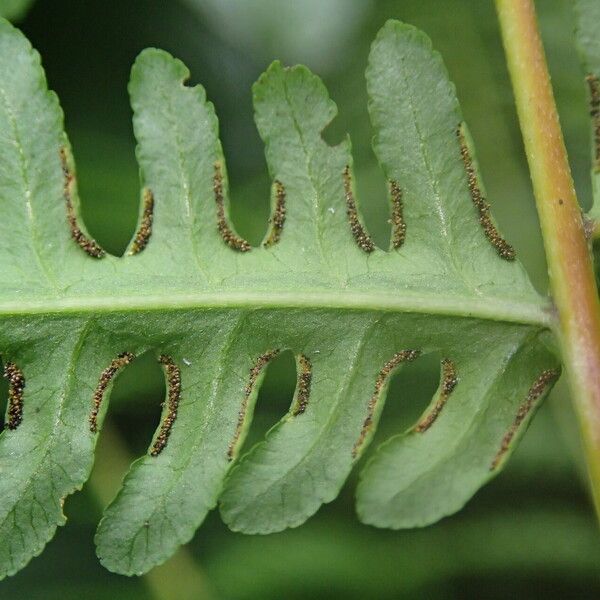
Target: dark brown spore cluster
x=303, y=385
x=390, y=365
x=173, y=398
x=142, y=236
x=255, y=371
x=398, y=224
x=231, y=239
x=105, y=378
x=358, y=231
x=505, y=250
x=88, y=245
x=16, y=385
x=535, y=391
x=277, y=220
x=594, y=87
x=449, y=381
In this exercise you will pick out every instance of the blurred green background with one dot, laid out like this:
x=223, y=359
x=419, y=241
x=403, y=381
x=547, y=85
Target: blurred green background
x=529, y=534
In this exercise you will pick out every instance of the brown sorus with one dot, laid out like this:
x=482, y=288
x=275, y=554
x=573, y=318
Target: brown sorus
x=105, y=379
x=173, y=398
x=231, y=239
x=382, y=377
x=504, y=249
x=535, y=392
x=398, y=224
x=361, y=237
x=88, y=245
x=255, y=371
x=303, y=384
x=142, y=236
x=16, y=385
x=449, y=381
x=277, y=219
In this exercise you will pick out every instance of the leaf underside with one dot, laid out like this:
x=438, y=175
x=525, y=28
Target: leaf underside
x=214, y=311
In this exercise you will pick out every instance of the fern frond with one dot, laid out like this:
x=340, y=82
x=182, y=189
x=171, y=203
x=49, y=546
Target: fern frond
x=215, y=310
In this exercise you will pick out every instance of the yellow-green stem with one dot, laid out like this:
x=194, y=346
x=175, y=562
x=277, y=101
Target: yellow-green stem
x=569, y=262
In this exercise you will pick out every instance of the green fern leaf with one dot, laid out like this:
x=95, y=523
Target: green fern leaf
x=215, y=311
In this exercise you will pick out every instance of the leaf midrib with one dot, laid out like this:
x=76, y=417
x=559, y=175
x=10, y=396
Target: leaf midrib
x=529, y=312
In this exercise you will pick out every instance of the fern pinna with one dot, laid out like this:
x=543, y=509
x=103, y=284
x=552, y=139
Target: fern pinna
x=214, y=310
